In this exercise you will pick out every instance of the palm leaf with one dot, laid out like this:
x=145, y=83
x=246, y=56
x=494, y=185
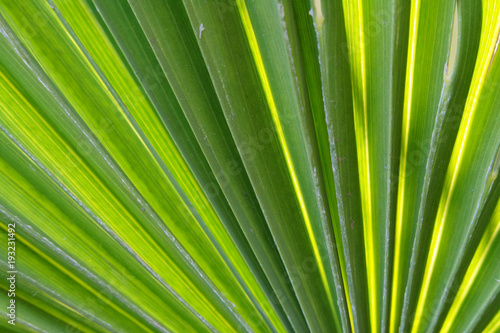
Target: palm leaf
x=250, y=166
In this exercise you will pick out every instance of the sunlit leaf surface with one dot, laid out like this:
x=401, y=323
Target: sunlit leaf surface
x=250, y=166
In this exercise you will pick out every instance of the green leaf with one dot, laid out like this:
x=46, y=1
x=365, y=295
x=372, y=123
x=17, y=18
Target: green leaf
x=494, y=325
x=376, y=40
x=474, y=157
x=294, y=223
x=430, y=126
x=481, y=287
x=250, y=165
x=136, y=159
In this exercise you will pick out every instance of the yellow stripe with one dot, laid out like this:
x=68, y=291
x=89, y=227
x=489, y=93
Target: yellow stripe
x=367, y=206
x=78, y=280
x=494, y=326
x=404, y=153
x=252, y=40
x=474, y=268
x=488, y=47
x=362, y=143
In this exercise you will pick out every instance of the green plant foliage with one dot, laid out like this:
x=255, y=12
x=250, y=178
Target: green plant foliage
x=250, y=166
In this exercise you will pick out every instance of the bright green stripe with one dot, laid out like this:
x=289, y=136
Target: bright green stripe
x=494, y=326
x=80, y=282
x=91, y=189
x=483, y=249
x=274, y=112
x=356, y=34
x=68, y=234
x=365, y=180
x=488, y=43
x=108, y=61
x=397, y=286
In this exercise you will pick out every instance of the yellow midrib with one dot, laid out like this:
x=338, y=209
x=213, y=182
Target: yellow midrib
x=445, y=200
x=415, y=11
x=252, y=41
x=362, y=139
x=474, y=269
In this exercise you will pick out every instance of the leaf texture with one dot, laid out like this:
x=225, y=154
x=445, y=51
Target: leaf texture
x=250, y=166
